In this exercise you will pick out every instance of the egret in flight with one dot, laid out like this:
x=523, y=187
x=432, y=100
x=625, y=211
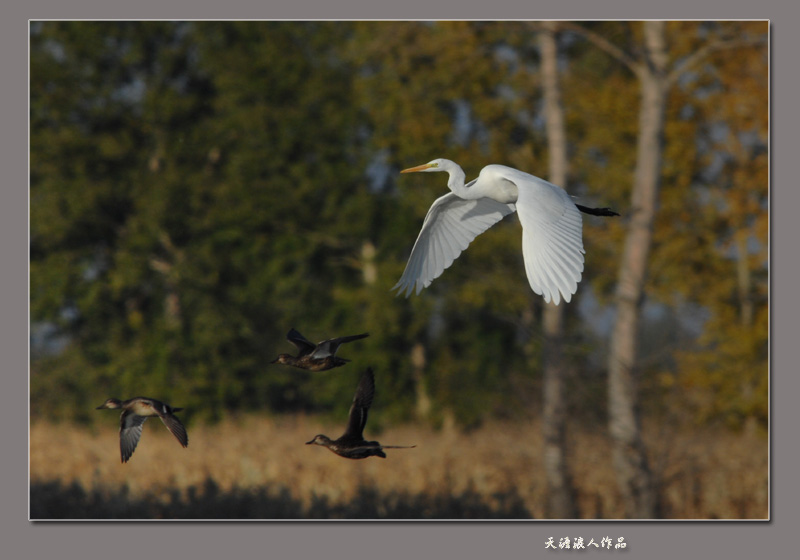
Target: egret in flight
x=552, y=247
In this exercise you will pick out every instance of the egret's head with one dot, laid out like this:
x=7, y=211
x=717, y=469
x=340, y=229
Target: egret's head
x=435, y=165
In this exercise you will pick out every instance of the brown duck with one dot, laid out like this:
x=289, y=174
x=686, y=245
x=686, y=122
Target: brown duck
x=352, y=444
x=134, y=412
x=315, y=357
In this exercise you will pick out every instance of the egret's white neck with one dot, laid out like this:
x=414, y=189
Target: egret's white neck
x=455, y=182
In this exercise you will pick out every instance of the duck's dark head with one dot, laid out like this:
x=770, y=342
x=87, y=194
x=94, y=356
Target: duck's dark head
x=320, y=439
x=110, y=403
x=283, y=359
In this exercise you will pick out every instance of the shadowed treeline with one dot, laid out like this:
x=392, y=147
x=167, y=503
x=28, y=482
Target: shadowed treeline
x=57, y=500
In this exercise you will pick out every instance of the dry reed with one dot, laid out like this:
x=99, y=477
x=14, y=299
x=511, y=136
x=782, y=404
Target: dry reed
x=497, y=467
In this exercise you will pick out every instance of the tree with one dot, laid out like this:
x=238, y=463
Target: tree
x=656, y=77
x=199, y=188
x=724, y=373
x=179, y=209
x=560, y=493
x=92, y=155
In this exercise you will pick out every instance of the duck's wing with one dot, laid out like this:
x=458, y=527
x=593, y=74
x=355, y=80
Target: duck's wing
x=361, y=403
x=174, y=426
x=304, y=346
x=449, y=227
x=376, y=445
x=130, y=430
x=329, y=347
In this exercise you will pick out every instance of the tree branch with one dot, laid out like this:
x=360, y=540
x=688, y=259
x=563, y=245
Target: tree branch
x=706, y=51
x=603, y=44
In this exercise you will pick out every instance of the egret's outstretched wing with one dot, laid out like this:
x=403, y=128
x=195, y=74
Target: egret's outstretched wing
x=552, y=245
x=449, y=227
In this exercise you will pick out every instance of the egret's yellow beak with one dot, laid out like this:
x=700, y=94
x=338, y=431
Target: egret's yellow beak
x=418, y=168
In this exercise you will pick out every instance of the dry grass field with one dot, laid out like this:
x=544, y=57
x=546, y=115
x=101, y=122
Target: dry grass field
x=259, y=468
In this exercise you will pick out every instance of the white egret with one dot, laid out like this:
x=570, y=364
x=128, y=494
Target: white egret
x=552, y=247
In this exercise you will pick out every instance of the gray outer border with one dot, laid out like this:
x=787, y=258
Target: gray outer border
x=23, y=539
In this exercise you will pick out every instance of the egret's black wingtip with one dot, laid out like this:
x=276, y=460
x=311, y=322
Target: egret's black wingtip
x=597, y=211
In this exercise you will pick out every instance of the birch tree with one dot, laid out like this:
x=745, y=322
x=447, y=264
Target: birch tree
x=657, y=70
x=560, y=493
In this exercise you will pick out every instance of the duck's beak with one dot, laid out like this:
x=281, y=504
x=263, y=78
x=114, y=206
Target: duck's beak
x=310, y=442
x=417, y=168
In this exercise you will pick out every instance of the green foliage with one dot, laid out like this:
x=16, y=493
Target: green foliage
x=199, y=225
x=199, y=188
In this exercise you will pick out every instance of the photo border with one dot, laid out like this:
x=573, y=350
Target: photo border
x=423, y=539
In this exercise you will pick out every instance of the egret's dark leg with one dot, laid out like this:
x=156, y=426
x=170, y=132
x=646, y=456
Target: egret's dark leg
x=597, y=211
